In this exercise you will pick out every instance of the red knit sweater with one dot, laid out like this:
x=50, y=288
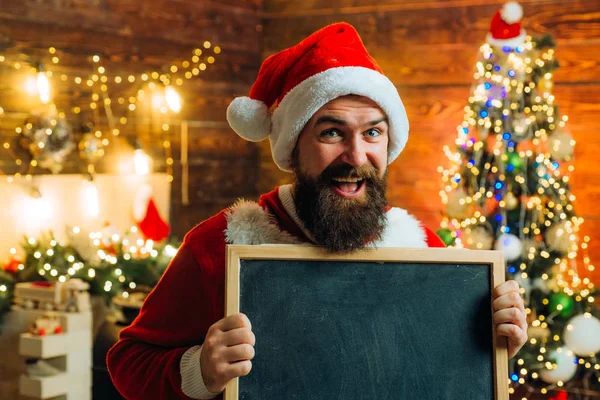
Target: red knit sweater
x=145, y=363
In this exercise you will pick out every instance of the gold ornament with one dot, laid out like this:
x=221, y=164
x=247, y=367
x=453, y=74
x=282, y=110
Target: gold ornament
x=538, y=332
x=511, y=201
x=560, y=237
x=545, y=85
x=478, y=238
x=457, y=206
x=561, y=146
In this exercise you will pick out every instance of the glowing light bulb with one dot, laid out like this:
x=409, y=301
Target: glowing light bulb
x=141, y=161
x=173, y=99
x=43, y=86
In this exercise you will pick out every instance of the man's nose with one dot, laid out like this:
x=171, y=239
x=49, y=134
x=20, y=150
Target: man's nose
x=355, y=152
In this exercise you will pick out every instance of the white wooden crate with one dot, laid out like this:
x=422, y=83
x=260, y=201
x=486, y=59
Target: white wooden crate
x=69, y=385
x=49, y=346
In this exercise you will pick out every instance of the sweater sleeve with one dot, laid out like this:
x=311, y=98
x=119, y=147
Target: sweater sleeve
x=147, y=361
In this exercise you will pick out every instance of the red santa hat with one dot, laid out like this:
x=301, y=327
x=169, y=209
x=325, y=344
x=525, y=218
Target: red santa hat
x=295, y=83
x=505, y=30
x=147, y=216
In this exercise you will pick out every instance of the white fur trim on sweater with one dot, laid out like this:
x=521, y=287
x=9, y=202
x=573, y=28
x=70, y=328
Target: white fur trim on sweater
x=248, y=223
x=303, y=101
x=402, y=230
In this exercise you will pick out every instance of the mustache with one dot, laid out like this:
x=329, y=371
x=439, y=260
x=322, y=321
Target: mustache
x=365, y=171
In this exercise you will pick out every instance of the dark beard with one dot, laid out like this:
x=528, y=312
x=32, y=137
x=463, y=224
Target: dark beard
x=342, y=225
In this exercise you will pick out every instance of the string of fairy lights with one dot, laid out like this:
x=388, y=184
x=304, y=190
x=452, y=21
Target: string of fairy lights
x=154, y=93
x=111, y=101
x=509, y=178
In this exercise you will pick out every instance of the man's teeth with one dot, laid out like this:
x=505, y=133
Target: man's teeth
x=347, y=179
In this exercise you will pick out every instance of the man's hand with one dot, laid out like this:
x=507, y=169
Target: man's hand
x=509, y=315
x=227, y=351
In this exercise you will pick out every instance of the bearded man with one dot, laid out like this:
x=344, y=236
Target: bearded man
x=336, y=122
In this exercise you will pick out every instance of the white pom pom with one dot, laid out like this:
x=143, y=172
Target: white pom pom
x=511, y=12
x=249, y=118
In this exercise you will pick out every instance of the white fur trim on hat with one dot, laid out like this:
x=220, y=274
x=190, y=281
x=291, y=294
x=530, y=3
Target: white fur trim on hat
x=303, y=101
x=512, y=42
x=511, y=12
x=249, y=118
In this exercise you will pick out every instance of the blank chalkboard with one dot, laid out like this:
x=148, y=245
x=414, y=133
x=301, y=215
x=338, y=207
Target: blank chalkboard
x=379, y=324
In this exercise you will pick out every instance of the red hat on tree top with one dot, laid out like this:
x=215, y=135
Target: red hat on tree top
x=293, y=84
x=505, y=29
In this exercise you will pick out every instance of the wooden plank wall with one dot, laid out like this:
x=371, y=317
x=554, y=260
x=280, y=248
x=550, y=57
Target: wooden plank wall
x=133, y=37
x=428, y=49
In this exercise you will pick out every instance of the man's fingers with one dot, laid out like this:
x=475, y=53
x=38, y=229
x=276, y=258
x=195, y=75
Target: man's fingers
x=505, y=288
x=234, y=321
x=240, y=368
x=239, y=336
x=228, y=371
x=241, y=352
x=510, y=315
x=511, y=299
x=514, y=334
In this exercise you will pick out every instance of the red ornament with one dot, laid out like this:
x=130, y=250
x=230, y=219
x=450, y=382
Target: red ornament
x=491, y=205
x=12, y=266
x=562, y=395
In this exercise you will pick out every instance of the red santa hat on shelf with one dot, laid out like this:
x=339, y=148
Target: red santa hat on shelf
x=295, y=83
x=505, y=30
x=147, y=217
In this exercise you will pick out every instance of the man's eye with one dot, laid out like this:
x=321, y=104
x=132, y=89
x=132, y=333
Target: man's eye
x=331, y=133
x=373, y=133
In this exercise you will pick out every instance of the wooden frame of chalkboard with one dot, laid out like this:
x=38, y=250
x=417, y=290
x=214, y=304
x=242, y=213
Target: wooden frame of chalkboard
x=490, y=262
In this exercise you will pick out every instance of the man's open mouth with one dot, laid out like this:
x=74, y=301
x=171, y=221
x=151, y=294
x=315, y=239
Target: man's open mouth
x=349, y=186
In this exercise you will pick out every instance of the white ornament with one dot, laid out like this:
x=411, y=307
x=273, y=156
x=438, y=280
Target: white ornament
x=565, y=369
x=560, y=237
x=582, y=335
x=561, y=146
x=457, y=206
x=510, y=245
x=478, y=238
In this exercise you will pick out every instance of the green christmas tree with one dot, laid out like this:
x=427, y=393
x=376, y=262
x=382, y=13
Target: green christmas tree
x=507, y=188
x=114, y=265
